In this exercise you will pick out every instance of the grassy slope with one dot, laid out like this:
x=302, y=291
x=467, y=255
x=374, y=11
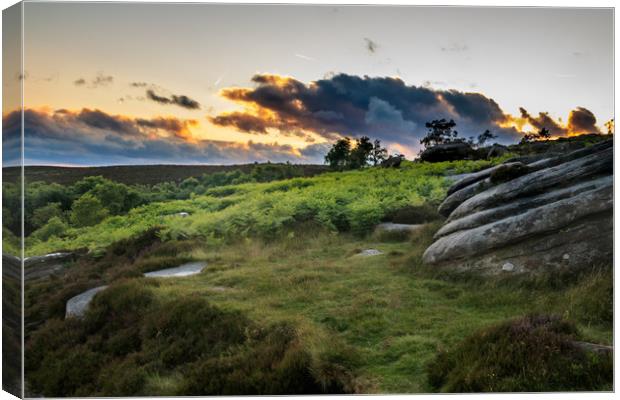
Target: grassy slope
x=389, y=311
x=354, y=200
x=394, y=313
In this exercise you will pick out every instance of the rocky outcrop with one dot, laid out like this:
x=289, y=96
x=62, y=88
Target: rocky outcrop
x=448, y=152
x=497, y=150
x=516, y=217
x=392, y=162
x=36, y=267
x=399, y=228
x=77, y=305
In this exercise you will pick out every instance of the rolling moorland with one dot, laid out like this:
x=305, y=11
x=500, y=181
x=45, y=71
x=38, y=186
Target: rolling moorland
x=287, y=285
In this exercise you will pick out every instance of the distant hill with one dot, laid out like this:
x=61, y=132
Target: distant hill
x=134, y=174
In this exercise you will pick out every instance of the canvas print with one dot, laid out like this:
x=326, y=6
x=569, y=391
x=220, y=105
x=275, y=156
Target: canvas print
x=233, y=199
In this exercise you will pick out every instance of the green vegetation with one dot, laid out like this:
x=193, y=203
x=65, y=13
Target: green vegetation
x=528, y=354
x=89, y=200
x=131, y=338
x=371, y=324
x=287, y=305
x=352, y=201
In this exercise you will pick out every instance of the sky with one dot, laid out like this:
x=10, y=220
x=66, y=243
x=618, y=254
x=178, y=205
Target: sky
x=108, y=83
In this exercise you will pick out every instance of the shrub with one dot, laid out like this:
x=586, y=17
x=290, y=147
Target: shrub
x=43, y=215
x=54, y=227
x=128, y=334
x=279, y=366
x=411, y=214
x=87, y=211
x=533, y=354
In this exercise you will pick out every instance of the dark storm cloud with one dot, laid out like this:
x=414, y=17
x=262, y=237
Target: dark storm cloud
x=379, y=107
x=93, y=137
x=582, y=120
x=100, y=120
x=242, y=122
x=179, y=100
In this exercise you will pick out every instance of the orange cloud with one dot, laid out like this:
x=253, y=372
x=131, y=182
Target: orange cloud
x=580, y=121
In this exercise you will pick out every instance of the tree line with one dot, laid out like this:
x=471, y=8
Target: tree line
x=50, y=208
x=364, y=152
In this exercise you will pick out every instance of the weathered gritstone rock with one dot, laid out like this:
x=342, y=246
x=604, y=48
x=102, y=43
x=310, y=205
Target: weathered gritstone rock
x=558, y=214
x=77, y=305
x=393, y=227
x=369, y=253
x=188, y=269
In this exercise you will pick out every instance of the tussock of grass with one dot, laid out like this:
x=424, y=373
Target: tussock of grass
x=530, y=354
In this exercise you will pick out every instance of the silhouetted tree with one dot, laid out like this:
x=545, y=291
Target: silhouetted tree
x=378, y=153
x=338, y=155
x=439, y=131
x=542, y=134
x=484, y=136
x=361, y=153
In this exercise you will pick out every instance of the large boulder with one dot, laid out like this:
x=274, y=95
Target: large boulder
x=448, y=152
x=497, y=150
x=392, y=162
x=553, y=213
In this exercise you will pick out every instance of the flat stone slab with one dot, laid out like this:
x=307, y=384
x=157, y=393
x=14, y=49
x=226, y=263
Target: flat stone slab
x=392, y=227
x=188, y=269
x=594, y=347
x=77, y=305
x=369, y=253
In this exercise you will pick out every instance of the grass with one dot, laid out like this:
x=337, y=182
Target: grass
x=391, y=314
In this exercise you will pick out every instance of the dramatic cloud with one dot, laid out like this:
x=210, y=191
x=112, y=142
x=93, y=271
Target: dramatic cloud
x=93, y=137
x=346, y=105
x=97, y=81
x=580, y=121
x=380, y=107
x=179, y=100
x=543, y=121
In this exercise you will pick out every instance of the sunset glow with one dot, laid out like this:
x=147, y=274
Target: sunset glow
x=198, y=84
